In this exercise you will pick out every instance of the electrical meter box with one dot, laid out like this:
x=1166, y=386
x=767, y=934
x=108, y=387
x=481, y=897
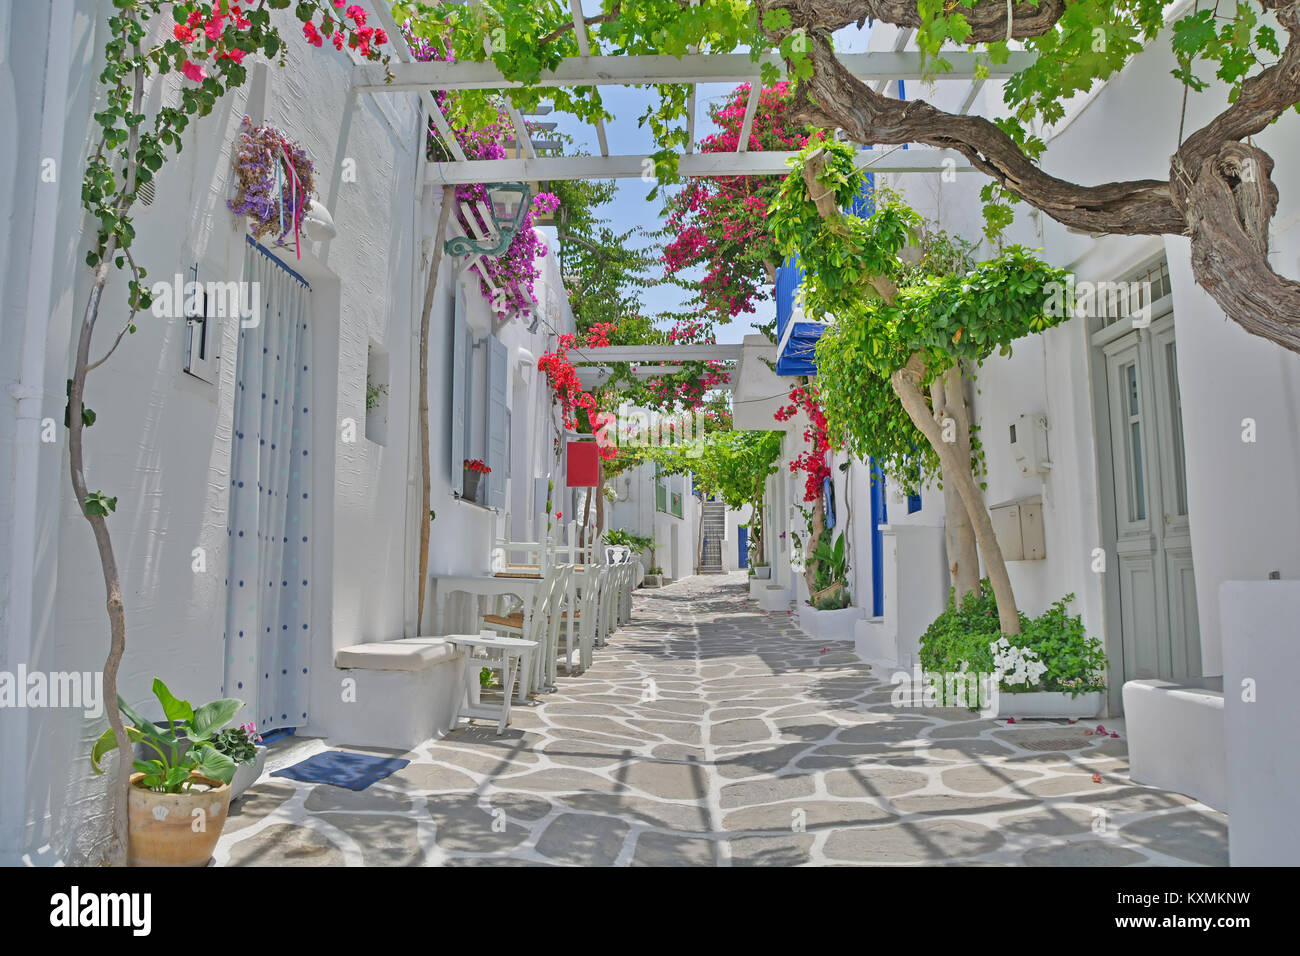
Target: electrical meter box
x=1019, y=529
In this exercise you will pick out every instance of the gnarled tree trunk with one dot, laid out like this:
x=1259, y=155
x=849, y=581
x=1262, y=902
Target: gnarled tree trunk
x=1218, y=189
x=948, y=398
x=906, y=383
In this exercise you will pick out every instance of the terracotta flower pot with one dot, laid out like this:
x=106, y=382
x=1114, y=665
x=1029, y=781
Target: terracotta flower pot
x=162, y=825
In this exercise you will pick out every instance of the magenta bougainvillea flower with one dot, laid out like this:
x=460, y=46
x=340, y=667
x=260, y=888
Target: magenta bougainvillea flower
x=194, y=72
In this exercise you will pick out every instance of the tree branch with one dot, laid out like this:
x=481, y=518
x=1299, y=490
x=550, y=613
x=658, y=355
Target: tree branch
x=987, y=18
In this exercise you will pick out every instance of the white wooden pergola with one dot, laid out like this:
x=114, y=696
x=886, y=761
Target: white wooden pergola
x=879, y=68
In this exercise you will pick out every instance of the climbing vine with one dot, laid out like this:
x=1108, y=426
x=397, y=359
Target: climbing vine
x=208, y=44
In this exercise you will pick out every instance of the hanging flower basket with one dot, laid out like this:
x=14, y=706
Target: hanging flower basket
x=274, y=181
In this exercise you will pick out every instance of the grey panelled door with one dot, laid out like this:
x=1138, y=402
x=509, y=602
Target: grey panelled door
x=1161, y=633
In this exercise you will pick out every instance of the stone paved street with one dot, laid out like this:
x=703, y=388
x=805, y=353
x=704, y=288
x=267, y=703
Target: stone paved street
x=711, y=733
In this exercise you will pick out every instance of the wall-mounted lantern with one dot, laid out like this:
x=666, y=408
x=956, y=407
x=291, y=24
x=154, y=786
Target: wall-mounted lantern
x=509, y=203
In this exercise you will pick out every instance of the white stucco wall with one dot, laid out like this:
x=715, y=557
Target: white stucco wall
x=161, y=443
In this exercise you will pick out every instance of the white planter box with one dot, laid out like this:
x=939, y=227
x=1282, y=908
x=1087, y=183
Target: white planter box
x=246, y=774
x=829, y=625
x=763, y=573
x=771, y=597
x=1044, y=703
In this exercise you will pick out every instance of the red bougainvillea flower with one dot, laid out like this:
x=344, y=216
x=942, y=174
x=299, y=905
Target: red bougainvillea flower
x=194, y=72
x=1113, y=734
x=183, y=33
x=558, y=515
x=1011, y=720
x=1096, y=778
x=310, y=32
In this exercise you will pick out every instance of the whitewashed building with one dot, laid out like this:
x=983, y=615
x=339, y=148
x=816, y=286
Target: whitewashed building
x=1157, y=462
x=168, y=441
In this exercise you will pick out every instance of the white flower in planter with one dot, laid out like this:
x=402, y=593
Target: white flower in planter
x=1015, y=665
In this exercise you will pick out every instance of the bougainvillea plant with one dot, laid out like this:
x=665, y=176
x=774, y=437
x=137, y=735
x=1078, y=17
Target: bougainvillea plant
x=578, y=406
x=274, y=180
x=207, y=44
x=812, y=460
x=719, y=223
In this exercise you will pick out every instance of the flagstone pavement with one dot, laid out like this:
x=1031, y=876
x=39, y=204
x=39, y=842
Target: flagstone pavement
x=708, y=733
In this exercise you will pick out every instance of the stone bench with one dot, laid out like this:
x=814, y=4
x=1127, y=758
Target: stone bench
x=1176, y=736
x=396, y=693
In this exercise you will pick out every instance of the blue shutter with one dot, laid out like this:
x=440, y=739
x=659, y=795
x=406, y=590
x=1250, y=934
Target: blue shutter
x=456, y=403
x=497, y=434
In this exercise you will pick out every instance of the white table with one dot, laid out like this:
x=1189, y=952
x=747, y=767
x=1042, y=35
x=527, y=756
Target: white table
x=489, y=585
x=478, y=648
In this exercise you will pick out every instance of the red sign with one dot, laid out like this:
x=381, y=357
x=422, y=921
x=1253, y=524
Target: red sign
x=581, y=464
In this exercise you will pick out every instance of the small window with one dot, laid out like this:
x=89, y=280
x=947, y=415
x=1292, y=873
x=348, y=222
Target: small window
x=377, y=394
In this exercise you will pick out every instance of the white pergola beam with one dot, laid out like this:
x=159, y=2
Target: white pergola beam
x=655, y=69
x=747, y=125
x=753, y=163
x=969, y=101
x=900, y=43
x=584, y=48
x=655, y=353
x=431, y=107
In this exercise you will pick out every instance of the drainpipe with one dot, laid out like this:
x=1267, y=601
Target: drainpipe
x=420, y=214
x=29, y=393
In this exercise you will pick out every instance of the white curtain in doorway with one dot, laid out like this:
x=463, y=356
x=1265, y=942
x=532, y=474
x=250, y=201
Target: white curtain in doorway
x=268, y=616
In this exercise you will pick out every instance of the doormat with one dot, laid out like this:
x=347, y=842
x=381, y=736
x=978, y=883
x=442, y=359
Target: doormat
x=340, y=768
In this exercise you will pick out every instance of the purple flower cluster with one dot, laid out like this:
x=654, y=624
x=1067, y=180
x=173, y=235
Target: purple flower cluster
x=262, y=151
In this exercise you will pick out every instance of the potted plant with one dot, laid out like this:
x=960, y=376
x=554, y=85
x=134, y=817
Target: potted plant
x=762, y=571
x=654, y=578
x=1052, y=668
x=178, y=799
x=240, y=744
x=828, y=614
x=474, y=471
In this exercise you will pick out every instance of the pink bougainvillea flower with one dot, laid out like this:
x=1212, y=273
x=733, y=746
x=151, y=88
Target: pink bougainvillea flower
x=358, y=14
x=215, y=27
x=1101, y=729
x=1074, y=720
x=1096, y=778
x=194, y=72
x=1087, y=733
x=1113, y=734
x=1011, y=720
x=234, y=53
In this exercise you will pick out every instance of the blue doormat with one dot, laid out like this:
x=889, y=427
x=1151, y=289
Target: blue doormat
x=341, y=768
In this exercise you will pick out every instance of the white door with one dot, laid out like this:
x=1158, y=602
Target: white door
x=1157, y=593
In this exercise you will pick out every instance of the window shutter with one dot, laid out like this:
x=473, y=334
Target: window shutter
x=456, y=403
x=497, y=433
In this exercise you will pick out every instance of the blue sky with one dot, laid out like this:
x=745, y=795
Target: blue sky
x=630, y=207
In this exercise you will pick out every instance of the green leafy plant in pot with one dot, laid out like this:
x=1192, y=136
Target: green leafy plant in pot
x=179, y=798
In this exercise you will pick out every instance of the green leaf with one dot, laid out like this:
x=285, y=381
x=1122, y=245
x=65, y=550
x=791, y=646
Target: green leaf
x=210, y=718
x=173, y=709
x=213, y=763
